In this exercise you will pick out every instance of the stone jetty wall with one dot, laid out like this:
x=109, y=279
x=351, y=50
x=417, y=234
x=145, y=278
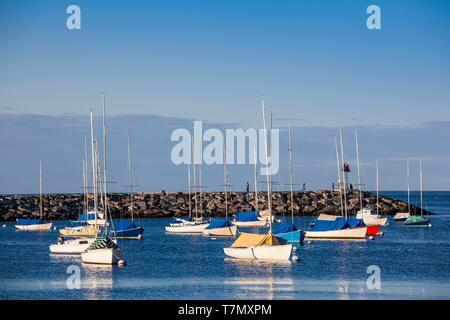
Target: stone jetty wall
x=165, y=204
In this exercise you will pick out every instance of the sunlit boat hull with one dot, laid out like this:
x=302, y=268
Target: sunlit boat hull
x=264, y=252
x=75, y=247
x=344, y=234
x=86, y=231
x=34, y=227
x=102, y=256
x=221, y=232
x=401, y=216
x=251, y=224
x=187, y=228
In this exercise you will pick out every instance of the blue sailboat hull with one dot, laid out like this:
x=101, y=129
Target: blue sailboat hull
x=133, y=233
x=292, y=237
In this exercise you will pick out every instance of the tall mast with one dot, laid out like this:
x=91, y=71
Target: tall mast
x=86, y=170
x=269, y=191
x=105, y=201
x=130, y=175
x=378, y=188
x=84, y=187
x=94, y=169
x=189, y=190
x=344, y=174
x=291, y=174
x=256, y=177
x=421, y=188
x=201, y=189
x=195, y=182
x=40, y=189
x=225, y=178
x=339, y=175
x=359, y=174
x=407, y=179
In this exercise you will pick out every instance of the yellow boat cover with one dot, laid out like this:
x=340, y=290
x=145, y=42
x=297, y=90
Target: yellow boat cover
x=246, y=240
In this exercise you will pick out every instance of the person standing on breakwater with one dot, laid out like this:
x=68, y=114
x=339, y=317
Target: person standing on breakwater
x=247, y=187
x=303, y=186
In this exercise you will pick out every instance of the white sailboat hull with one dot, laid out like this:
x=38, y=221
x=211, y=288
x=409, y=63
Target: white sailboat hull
x=186, y=228
x=99, y=222
x=35, y=227
x=375, y=221
x=71, y=246
x=265, y=252
x=102, y=256
x=221, y=232
x=251, y=224
x=345, y=234
x=401, y=216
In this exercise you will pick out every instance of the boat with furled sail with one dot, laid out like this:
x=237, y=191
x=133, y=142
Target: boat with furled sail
x=419, y=220
x=35, y=224
x=370, y=216
x=329, y=227
x=261, y=246
x=289, y=231
x=128, y=229
x=104, y=250
x=190, y=225
x=402, y=216
x=222, y=227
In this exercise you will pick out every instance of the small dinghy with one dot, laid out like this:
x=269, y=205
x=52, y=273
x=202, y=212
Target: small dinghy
x=290, y=233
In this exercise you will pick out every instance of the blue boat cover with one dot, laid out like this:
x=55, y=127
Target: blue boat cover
x=27, y=222
x=124, y=225
x=285, y=227
x=327, y=225
x=86, y=216
x=219, y=223
x=247, y=216
x=353, y=222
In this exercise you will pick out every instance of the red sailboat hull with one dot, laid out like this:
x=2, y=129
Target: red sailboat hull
x=372, y=230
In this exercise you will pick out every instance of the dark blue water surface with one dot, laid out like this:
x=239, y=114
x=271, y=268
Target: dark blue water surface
x=414, y=264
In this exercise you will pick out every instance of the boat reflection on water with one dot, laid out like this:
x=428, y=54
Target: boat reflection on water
x=268, y=286
x=97, y=281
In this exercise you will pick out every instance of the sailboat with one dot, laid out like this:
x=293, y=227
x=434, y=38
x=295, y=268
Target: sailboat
x=187, y=225
x=35, y=224
x=261, y=246
x=78, y=245
x=87, y=223
x=104, y=250
x=222, y=227
x=368, y=215
x=416, y=220
x=402, y=216
x=289, y=231
x=339, y=228
x=127, y=229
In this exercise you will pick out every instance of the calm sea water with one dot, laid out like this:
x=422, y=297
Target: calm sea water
x=414, y=264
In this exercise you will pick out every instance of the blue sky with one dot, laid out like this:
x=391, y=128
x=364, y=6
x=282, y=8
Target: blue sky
x=315, y=61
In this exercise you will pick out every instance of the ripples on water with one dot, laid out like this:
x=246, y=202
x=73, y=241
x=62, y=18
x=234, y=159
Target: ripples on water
x=415, y=264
